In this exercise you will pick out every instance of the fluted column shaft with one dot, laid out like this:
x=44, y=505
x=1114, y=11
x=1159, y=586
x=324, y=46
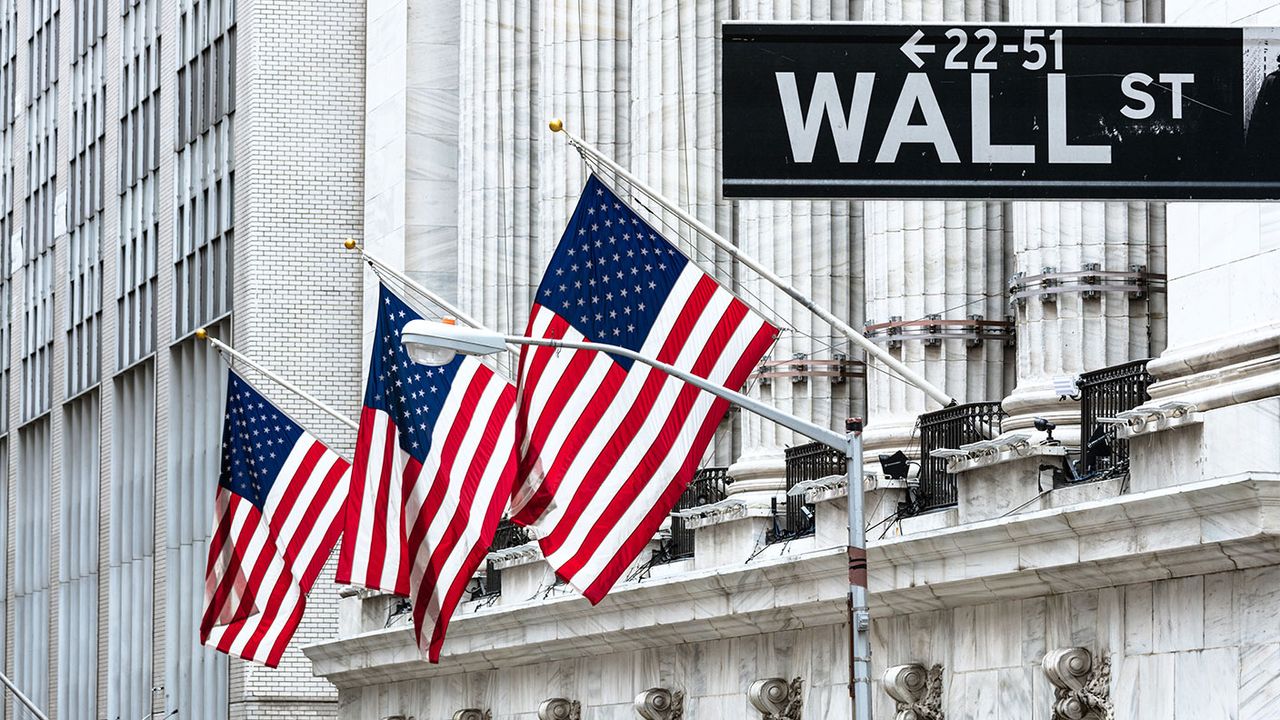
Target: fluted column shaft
x=1067, y=333
x=811, y=245
x=933, y=258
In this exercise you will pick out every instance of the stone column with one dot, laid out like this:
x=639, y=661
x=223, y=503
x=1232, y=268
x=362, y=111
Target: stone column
x=675, y=111
x=932, y=260
x=811, y=245
x=497, y=208
x=1069, y=332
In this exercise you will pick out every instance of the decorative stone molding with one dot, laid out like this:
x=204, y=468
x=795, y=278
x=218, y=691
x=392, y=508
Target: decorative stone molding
x=993, y=452
x=473, y=714
x=776, y=699
x=1082, y=688
x=831, y=487
x=1153, y=418
x=660, y=704
x=715, y=513
x=560, y=709
x=512, y=557
x=917, y=691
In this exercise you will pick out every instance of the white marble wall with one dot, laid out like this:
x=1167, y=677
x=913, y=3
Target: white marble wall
x=1075, y=334
x=1202, y=647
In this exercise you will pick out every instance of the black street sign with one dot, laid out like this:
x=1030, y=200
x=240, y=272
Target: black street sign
x=1001, y=111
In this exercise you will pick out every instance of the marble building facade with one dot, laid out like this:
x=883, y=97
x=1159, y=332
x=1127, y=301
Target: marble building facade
x=1146, y=595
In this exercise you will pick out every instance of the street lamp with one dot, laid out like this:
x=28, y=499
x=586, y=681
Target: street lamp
x=436, y=343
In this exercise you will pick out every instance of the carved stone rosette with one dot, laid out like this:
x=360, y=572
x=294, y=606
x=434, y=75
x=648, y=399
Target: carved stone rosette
x=560, y=709
x=917, y=691
x=776, y=699
x=473, y=714
x=660, y=704
x=1081, y=687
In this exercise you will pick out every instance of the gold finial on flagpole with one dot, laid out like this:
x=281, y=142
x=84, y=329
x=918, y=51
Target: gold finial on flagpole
x=556, y=125
x=202, y=334
x=349, y=244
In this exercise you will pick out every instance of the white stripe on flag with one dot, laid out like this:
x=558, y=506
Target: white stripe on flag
x=676, y=456
x=657, y=415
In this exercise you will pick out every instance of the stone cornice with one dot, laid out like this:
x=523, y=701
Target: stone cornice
x=1211, y=526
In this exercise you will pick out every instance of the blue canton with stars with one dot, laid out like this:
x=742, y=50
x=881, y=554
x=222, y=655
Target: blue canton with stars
x=412, y=394
x=256, y=440
x=611, y=273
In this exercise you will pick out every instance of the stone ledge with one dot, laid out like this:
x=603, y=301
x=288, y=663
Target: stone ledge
x=1218, y=525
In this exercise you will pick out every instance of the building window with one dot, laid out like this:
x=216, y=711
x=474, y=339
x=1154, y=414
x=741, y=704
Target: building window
x=43, y=212
x=132, y=542
x=139, y=165
x=31, y=566
x=195, y=676
x=205, y=216
x=78, y=562
x=88, y=142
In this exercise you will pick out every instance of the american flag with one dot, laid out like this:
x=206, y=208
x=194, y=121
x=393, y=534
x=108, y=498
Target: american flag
x=277, y=516
x=433, y=471
x=607, y=445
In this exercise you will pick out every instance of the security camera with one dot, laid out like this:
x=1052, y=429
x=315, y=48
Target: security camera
x=1046, y=427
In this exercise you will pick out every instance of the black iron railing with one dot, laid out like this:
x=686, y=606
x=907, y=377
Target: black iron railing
x=1107, y=393
x=948, y=428
x=804, y=462
x=508, y=535
x=706, y=487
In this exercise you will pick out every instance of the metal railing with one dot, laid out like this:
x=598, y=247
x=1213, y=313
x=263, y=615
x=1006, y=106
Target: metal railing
x=804, y=462
x=948, y=428
x=508, y=535
x=1107, y=393
x=706, y=487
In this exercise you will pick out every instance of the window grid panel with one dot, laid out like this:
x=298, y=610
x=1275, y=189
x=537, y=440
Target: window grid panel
x=88, y=142
x=8, y=98
x=78, y=566
x=37, y=358
x=31, y=567
x=139, y=164
x=41, y=200
x=204, y=221
x=195, y=676
x=131, y=544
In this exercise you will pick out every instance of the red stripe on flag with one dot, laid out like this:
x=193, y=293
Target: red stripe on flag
x=331, y=484
x=633, y=421
x=618, y=565
x=293, y=492
x=454, y=532
x=355, y=501
x=448, y=454
x=659, y=448
x=471, y=564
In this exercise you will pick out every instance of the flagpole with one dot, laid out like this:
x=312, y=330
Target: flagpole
x=203, y=334
x=448, y=307
x=22, y=698
x=853, y=335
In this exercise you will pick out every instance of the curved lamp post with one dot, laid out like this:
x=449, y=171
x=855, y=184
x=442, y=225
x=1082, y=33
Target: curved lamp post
x=437, y=343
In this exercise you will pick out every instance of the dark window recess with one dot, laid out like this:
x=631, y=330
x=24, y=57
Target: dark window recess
x=947, y=428
x=1106, y=393
x=793, y=517
x=508, y=535
x=707, y=486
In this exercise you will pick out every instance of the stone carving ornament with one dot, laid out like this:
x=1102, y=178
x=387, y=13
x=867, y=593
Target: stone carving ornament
x=473, y=714
x=1082, y=688
x=917, y=691
x=660, y=704
x=560, y=709
x=776, y=699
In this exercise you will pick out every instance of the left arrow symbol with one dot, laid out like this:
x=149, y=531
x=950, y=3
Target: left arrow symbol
x=913, y=49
